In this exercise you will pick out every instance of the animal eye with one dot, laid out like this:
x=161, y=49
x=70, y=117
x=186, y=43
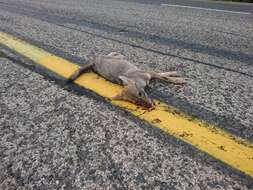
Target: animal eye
x=140, y=94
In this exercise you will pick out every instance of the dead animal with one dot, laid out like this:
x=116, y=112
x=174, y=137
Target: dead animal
x=116, y=68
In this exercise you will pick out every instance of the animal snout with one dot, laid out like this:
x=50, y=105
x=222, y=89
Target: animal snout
x=147, y=104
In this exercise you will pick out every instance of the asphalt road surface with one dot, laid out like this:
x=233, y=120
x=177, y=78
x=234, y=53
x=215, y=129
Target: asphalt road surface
x=55, y=138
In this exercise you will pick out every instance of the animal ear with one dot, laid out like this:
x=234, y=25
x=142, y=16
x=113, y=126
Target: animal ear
x=126, y=81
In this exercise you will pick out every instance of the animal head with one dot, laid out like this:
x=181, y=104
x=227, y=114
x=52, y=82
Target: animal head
x=134, y=93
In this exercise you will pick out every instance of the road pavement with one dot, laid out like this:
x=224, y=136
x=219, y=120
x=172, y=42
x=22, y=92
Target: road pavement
x=55, y=138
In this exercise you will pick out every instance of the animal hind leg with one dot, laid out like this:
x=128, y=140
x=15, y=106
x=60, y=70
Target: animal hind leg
x=116, y=55
x=170, y=74
x=171, y=77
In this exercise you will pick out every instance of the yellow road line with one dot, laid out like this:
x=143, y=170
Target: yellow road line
x=232, y=150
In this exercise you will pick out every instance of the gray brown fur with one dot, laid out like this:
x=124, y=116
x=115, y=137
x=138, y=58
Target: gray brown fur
x=116, y=68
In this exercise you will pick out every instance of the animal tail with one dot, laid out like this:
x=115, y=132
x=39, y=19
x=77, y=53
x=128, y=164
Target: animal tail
x=78, y=72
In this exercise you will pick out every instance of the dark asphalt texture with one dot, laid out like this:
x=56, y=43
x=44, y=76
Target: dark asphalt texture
x=55, y=138
x=219, y=5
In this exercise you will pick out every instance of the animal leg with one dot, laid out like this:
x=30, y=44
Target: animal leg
x=116, y=55
x=171, y=74
x=171, y=77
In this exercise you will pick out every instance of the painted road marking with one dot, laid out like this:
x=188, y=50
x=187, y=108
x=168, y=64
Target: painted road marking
x=226, y=147
x=206, y=9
